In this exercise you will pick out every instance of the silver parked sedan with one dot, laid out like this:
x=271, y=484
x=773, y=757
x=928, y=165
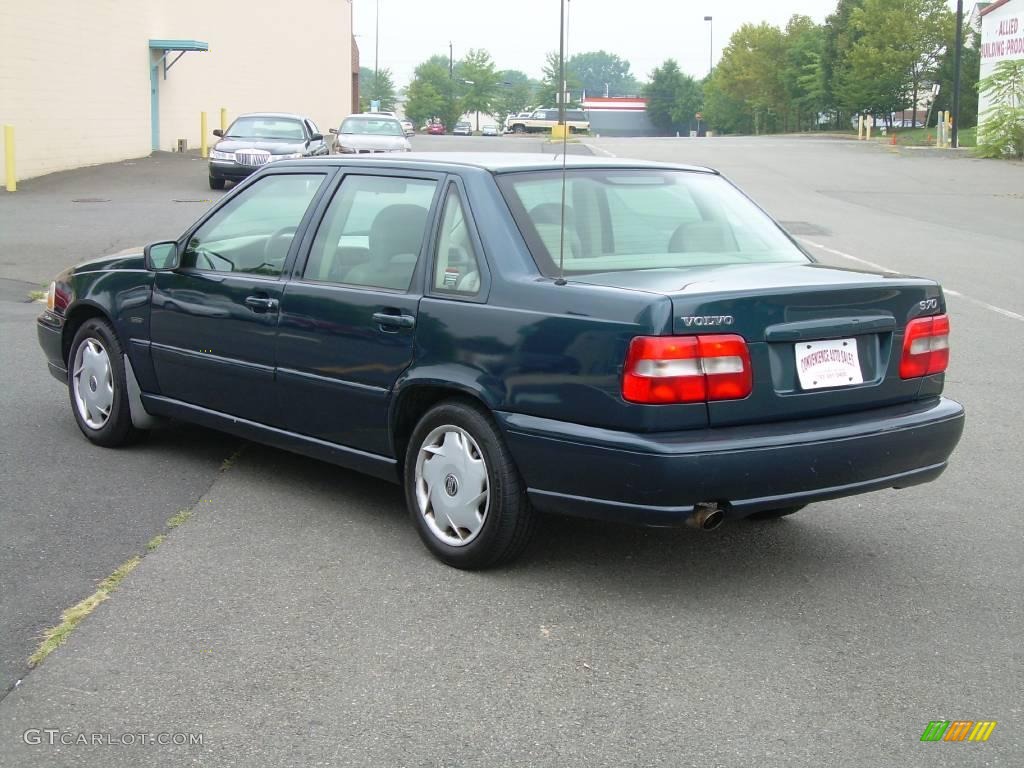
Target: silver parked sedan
x=363, y=134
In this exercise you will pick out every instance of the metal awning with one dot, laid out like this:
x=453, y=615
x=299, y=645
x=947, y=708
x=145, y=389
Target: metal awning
x=181, y=46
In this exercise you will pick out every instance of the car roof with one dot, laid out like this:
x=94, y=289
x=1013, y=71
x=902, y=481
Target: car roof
x=292, y=115
x=499, y=162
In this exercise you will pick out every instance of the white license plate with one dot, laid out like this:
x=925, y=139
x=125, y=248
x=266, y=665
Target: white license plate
x=832, y=363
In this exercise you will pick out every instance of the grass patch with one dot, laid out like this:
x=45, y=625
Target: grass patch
x=55, y=637
x=230, y=460
x=155, y=542
x=39, y=295
x=925, y=137
x=182, y=517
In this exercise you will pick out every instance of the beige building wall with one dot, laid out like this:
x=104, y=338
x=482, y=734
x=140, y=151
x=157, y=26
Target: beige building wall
x=75, y=74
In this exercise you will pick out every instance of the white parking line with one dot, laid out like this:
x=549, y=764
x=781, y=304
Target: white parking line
x=948, y=291
x=871, y=264
x=602, y=150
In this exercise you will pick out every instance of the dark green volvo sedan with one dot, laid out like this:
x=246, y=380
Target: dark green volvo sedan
x=631, y=341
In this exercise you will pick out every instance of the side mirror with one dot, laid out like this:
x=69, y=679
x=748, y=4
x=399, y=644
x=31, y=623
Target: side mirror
x=317, y=137
x=161, y=257
x=334, y=131
x=218, y=133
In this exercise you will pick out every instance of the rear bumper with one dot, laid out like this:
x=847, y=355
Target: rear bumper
x=657, y=479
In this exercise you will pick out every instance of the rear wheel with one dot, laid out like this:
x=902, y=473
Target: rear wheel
x=97, y=386
x=216, y=183
x=774, y=514
x=518, y=129
x=463, y=490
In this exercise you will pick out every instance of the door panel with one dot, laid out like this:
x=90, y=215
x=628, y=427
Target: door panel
x=348, y=324
x=210, y=348
x=214, y=320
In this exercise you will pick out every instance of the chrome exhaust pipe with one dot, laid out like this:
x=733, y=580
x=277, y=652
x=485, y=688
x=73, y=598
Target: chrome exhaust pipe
x=706, y=516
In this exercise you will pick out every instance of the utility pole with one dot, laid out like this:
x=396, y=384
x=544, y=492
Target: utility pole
x=711, y=43
x=561, y=63
x=376, y=45
x=954, y=139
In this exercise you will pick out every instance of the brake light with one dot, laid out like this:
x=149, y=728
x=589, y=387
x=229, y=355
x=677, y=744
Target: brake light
x=686, y=369
x=925, y=347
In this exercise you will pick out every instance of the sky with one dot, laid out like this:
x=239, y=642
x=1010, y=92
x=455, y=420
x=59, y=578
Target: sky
x=518, y=33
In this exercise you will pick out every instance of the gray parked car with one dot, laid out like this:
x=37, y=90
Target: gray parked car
x=258, y=138
x=361, y=134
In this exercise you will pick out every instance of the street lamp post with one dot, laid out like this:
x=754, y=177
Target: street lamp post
x=711, y=43
x=955, y=138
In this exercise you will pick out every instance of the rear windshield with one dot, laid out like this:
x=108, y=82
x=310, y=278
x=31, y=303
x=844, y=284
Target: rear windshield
x=619, y=220
x=386, y=126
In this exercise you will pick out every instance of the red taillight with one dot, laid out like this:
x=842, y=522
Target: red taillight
x=925, y=347
x=686, y=369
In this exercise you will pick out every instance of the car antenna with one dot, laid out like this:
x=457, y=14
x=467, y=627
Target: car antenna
x=561, y=230
x=565, y=140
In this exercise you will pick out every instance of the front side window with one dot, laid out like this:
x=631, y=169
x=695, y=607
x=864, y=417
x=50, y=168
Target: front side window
x=253, y=231
x=619, y=220
x=456, y=266
x=372, y=233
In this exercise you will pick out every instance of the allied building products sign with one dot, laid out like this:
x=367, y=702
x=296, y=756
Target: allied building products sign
x=1002, y=39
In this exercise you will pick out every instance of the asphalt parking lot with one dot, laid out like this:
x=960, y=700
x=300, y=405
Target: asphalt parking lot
x=296, y=619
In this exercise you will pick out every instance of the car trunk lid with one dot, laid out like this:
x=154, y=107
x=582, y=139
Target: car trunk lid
x=791, y=313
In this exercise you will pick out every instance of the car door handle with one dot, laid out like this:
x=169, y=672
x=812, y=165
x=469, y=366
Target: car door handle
x=387, y=320
x=260, y=303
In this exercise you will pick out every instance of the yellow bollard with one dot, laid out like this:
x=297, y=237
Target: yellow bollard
x=223, y=120
x=203, y=149
x=860, y=128
x=869, y=121
x=559, y=131
x=12, y=181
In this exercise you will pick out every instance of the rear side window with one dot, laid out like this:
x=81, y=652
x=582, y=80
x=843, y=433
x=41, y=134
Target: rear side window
x=619, y=220
x=372, y=232
x=456, y=266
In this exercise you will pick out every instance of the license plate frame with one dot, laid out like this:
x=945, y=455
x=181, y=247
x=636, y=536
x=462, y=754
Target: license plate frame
x=827, y=364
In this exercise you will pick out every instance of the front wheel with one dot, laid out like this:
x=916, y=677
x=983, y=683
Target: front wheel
x=774, y=514
x=216, y=183
x=97, y=386
x=463, y=490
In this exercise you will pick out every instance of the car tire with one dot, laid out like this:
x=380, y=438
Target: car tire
x=518, y=129
x=216, y=183
x=470, y=460
x=97, y=386
x=775, y=514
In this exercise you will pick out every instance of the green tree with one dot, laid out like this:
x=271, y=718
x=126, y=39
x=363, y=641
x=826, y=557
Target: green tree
x=898, y=49
x=433, y=93
x=750, y=74
x=970, y=70
x=1001, y=131
x=723, y=111
x=380, y=87
x=478, y=82
x=839, y=35
x=594, y=70
x=548, y=91
x=801, y=74
x=514, y=95
x=673, y=98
